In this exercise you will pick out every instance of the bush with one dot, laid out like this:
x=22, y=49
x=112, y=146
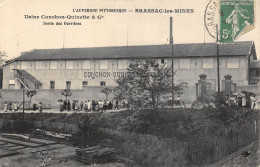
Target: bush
x=17, y=126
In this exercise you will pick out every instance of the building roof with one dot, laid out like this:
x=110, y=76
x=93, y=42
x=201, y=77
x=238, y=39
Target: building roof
x=145, y=51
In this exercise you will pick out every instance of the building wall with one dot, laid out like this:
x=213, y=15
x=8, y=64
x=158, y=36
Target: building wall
x=95, y=71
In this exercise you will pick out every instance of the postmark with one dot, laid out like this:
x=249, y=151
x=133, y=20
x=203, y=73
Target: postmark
x=211, y=17
x=237, y=18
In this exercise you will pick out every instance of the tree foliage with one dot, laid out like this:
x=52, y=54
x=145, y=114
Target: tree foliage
x=30, y=94
x=106, y=91
x=146, y=82
x=66, y=93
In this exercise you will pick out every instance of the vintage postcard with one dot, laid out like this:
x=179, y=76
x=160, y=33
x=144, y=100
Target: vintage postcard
x=129, y=83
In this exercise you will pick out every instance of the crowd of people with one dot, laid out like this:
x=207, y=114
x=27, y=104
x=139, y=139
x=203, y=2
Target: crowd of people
x=10, y=106
x=89, y=105
x=243, y=99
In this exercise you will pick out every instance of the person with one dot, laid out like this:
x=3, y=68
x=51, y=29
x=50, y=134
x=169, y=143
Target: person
x=65, y=105
x=10, y=106
x=100, y=105
x=73, y=105
x=123, y=103
x=34, y=107
x=253, y=101
x=68, y=106
x=89, y=105
x=96, y=106
x=116, y=106
x=104, y=107
x=110, y=105
x=93, y=105
x=170, y=101
x=15, y=106
x=239, y=100
x=178, y=101
x=76, y=105
x=5, y=107
x=243, y=100
x=40, y=107
x=86, y=106
x=61, y=105
x=81, y=105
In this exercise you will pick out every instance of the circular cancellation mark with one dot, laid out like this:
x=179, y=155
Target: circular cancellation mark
x=211, y=17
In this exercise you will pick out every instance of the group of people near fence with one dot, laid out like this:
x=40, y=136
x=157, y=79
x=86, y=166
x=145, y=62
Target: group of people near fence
x=13, y=106
x=89, y=105
x=10, y=106
x=243, y=99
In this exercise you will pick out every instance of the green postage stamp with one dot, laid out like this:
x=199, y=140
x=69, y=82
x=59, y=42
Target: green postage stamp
x=236, y=18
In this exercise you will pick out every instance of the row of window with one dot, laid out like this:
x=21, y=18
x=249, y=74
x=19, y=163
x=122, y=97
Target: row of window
x=68, y=84
x=70, y=64
x=206, y=63
x=185, y=63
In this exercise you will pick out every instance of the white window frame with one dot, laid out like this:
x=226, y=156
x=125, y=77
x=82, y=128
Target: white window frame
x=86, y=64
x=233, y=62
x=24, y=65
x=103, y=64
x=122, y=64
x=206, y=64
x=69, y=64
x=53, y=65
x=185, y=63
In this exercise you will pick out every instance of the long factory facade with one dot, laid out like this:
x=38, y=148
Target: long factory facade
x=83, y=68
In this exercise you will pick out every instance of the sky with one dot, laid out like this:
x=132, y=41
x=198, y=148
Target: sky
x=18, y=34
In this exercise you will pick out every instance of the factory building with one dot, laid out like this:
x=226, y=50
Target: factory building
x=83, y=68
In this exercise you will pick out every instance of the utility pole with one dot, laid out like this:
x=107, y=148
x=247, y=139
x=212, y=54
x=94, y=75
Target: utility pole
x=218, y=77
x=171, y=43
x=23, y=103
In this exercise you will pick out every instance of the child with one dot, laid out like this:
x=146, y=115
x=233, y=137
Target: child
x=5, y=107
x=40, y=107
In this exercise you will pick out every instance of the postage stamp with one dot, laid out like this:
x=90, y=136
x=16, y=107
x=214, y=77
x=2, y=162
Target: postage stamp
x=237, y=18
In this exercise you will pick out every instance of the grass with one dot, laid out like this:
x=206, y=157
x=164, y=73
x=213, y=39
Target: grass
x=168, y=137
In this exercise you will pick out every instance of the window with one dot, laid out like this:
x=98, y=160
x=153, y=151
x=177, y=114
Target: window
x=208, y=63
x=184, y=63
x=103, y=64
x=69, y=65
x=122, y=64
x=31, y=65
x=61, y=64
x=162, y=61
x=68, y=84
x=102, y=83
x=37, y=86
x=42, y=65
x=84, y=85
x=11, y=84
x=77, y=65
x=232, y=62
x=23, y=65
x=86, y=64
x=53, y=64
x=52, y=84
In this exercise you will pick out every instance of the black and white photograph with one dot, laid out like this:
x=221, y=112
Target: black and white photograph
x=129, y=83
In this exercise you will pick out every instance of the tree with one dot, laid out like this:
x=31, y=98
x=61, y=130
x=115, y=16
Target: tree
x=2, y=55
x=30, y=94
x=106, y=91
x=66, y=93
x=145, y=83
